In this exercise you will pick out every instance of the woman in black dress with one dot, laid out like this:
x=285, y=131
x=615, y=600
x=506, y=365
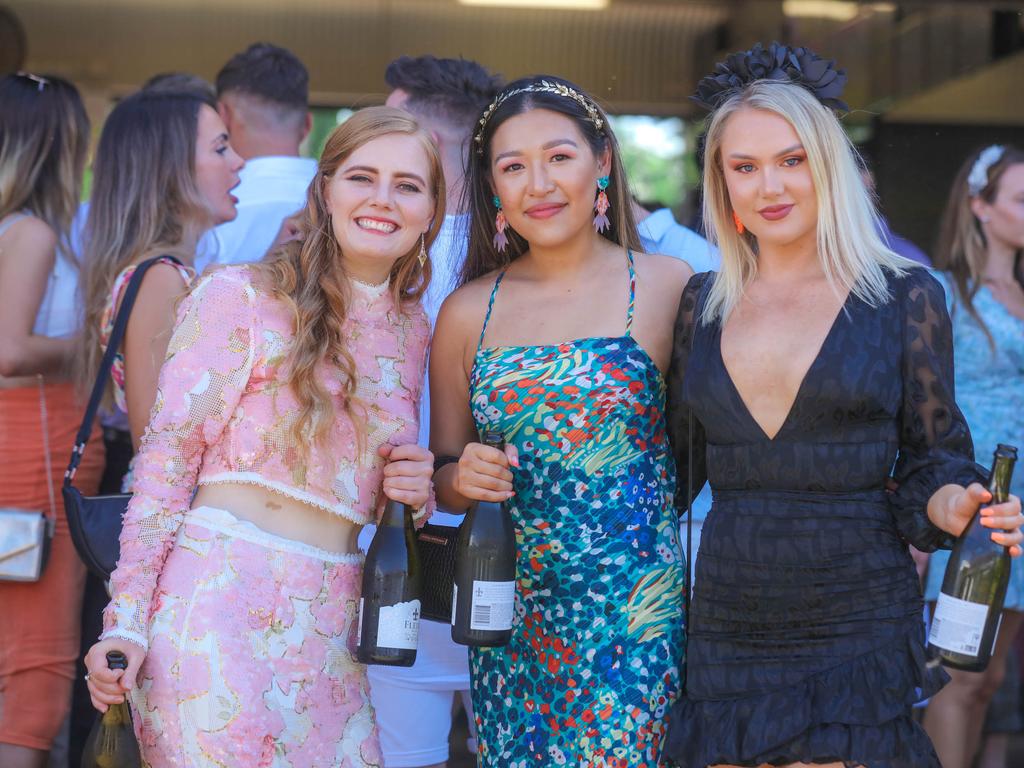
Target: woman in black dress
x=812, y=368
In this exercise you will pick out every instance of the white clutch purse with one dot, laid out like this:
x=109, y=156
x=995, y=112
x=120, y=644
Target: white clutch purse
x=24, y=544
x=25, y=535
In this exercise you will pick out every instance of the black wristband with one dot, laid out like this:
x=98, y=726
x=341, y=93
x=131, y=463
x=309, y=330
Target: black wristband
x=441, y=461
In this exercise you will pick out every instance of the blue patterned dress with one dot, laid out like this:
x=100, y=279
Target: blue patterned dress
x=597, y=644
x=990, y=391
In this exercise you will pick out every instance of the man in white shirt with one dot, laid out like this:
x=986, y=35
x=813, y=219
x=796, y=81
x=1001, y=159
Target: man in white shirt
x=414, y=704
x=263, y=98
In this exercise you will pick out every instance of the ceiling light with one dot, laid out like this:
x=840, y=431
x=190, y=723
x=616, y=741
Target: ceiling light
x=576, y=5
x=836, y=10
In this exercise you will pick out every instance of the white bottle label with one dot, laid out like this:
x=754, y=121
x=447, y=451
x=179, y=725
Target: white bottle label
x=359, y=623
x=398, y=626
x=455, y=600
x=493, y=604
x=958, y=625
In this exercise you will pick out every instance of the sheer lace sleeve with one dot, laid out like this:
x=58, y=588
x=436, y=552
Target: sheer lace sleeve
x=678, y=412
x=935, y=443
x=209, y=360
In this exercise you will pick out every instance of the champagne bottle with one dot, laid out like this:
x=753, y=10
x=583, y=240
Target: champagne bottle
x=970, y=605
x=111, y=743
x=389, y=608
x=483, y=596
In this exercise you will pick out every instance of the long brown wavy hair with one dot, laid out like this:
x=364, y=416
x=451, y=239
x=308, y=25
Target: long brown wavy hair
x=962, y=250
x=308, y=274
x=144, y=200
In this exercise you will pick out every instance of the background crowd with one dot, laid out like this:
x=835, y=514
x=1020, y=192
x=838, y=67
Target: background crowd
x=205, y=175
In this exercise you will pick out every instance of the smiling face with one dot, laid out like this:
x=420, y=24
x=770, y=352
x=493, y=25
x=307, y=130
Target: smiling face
x=1003, y=218
x=217, y=166
x=769, y=180
x=545, y=174
x=380, y=202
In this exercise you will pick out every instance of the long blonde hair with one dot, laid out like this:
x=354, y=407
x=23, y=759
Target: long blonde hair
x=144, y=200
x=44, y=137
x=850, y=249
x=962, y=250
x=309, y=275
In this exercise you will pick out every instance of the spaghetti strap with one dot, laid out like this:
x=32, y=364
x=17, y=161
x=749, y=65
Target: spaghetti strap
x=632, y=292
x=490, y=306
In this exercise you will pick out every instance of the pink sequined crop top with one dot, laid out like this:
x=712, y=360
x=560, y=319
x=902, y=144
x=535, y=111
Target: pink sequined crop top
x=224, y=413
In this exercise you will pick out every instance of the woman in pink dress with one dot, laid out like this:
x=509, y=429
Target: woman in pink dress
x=289, y=398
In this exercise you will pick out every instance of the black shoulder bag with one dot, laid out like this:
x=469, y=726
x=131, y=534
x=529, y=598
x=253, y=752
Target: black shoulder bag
x=95, y=521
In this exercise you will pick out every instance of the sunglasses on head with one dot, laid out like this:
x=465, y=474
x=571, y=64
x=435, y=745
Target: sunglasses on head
x=41, y=82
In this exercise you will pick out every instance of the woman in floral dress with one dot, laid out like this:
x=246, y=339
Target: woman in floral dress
x=558, y=337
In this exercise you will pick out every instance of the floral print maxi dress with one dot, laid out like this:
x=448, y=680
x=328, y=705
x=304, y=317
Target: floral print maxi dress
x=597, y=644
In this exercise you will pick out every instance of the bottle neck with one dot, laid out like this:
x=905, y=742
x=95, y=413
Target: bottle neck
x=999, y=483
x=394, y=515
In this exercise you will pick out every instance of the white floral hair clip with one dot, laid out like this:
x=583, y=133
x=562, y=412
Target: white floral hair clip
x=977, y=179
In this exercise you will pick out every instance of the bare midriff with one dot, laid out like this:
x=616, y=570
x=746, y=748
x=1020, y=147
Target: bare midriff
x=281, y=515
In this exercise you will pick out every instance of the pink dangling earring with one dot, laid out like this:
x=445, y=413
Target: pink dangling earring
x=601, y=205
x=500, y=239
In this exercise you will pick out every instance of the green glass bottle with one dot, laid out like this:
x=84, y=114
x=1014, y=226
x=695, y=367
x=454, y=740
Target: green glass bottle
x=111, y=743
x=483, y=596
x=970, y=605
x=389, y=608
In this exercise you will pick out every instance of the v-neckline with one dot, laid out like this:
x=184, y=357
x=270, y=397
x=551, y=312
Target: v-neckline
x=843, y=310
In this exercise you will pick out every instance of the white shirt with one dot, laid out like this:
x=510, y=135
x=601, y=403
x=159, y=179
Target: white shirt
x=270, y=190
x=660, y=233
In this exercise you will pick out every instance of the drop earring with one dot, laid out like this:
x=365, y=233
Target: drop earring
x=500, y=239
x=739, y=224
x=423, y=250
x=601, y=205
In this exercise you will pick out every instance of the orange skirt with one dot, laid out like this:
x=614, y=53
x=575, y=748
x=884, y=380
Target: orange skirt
x=40, y=621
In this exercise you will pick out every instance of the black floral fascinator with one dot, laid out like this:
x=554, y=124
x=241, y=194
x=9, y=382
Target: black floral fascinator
x=776, y=62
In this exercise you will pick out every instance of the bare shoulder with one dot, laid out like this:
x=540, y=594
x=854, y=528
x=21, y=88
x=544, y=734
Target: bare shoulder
x=29, y=235
x=466, y=306
x=163, y=279
x=663, y=273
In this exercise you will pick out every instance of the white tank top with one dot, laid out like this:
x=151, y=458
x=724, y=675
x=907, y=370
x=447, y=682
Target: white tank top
x=58, y=314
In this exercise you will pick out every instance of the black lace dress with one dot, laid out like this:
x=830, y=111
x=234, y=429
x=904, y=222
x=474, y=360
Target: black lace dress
x=805, y=640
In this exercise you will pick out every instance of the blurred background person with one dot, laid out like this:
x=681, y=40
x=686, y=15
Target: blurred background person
x=162, y=176
x=980, y=244
x=446, y=96
x=263, y=98
x=44, y=136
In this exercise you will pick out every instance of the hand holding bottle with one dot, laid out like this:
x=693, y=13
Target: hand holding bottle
x=108, y=686
x=483, y=474
x=1004, y=519
x=408, y=473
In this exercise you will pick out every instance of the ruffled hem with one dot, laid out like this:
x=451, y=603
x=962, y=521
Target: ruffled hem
x=857, y=713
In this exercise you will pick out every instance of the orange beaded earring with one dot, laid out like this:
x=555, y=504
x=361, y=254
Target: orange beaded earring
x=739, y=224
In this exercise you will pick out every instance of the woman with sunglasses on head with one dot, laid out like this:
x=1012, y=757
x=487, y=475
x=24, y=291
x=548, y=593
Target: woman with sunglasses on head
x=44, y=136
x=557, y=339
x=288, y=404
x=813, y=364
x=979, y=254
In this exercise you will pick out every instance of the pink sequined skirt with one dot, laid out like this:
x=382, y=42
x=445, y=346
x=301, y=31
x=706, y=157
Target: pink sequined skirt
x=250, y=659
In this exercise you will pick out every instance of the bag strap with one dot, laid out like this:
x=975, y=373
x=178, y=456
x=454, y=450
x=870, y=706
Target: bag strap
x=44, y=417
x=113, y=345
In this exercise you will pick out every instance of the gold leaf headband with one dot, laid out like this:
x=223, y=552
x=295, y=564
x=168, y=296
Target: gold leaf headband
x=544, y=86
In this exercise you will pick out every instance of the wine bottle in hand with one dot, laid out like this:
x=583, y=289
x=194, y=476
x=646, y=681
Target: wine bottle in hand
x=111, y=743
x=970, y=604
x=389, y=609
x=483, y=598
